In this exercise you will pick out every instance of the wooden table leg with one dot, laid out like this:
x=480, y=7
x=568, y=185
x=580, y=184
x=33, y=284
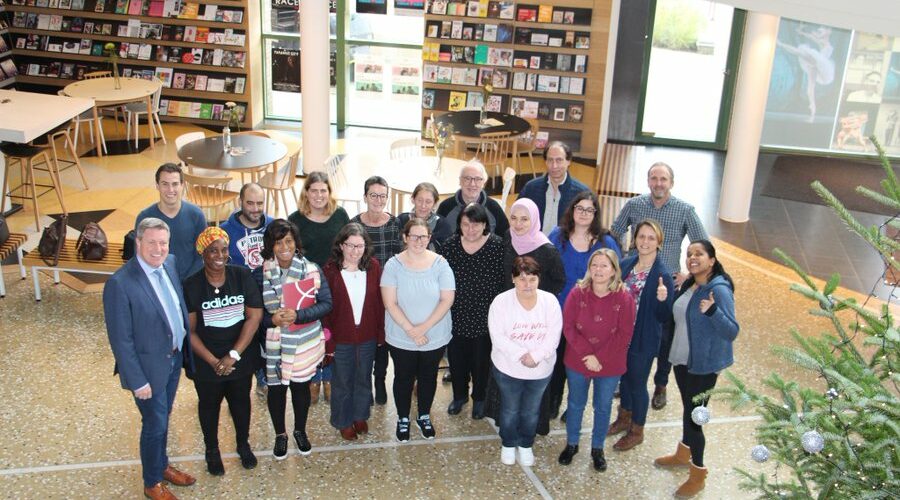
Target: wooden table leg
x=97, y=134
x=150, y=122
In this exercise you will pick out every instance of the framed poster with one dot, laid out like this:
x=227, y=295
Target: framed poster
x=285, y=69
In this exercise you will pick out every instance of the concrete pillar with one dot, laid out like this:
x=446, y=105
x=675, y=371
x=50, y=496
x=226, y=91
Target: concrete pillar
x=314, y=81
x=748, y=113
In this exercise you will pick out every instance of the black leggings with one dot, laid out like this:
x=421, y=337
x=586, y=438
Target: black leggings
x=411, y=367
x=210, y=395
x=379, y=370
x=299, y=400
x=690, y=386
x=469, y=357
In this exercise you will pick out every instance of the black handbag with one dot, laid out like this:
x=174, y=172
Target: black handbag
x=52, y=240
x=128, y=245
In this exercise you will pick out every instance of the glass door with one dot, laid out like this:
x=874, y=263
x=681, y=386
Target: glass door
x=689, y=76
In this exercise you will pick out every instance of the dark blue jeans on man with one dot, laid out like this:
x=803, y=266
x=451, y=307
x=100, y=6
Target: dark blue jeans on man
x=604, y=387
x=520, y=402
x=351, y=383
x=155, y=426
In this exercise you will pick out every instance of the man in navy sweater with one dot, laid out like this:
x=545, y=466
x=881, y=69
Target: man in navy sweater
x=553, y=192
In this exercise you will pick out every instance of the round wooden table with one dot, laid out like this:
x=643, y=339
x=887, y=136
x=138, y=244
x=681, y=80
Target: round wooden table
x=208, y=153
x=104, y=93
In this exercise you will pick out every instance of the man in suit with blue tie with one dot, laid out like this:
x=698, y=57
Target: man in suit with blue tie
x=147, y=324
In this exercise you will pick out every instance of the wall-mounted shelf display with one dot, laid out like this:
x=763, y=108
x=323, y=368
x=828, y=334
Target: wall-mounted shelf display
x=545, y=60
x=8, y=69
x=198, y=49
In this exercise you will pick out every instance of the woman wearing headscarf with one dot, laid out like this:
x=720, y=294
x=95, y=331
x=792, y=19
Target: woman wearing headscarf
x=224, y=310
x=294, y=341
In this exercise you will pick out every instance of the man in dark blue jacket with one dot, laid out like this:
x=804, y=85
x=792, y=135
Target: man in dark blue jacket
x=553, y=192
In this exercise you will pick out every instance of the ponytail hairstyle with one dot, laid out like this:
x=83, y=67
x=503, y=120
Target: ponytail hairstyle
x=717, y=269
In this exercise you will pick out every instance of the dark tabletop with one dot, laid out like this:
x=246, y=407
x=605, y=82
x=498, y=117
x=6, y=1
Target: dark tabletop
x=208, y=153
x=464, y=123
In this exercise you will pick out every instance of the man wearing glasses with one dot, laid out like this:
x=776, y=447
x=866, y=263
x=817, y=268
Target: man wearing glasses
x=553, y=192
x=471, y=190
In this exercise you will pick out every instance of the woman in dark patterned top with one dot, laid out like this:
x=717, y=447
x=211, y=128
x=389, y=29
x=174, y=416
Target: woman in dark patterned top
x=425, y=197
x=384, y=231
x=476, y=257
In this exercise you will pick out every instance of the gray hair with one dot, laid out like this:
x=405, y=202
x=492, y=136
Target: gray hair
x=475, y=163
x=150, y=223
x=663, y=165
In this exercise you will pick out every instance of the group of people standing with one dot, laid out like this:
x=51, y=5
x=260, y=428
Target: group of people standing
x=521, y=305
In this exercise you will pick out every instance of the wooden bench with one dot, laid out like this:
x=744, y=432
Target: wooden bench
x=10, y=246
x=69, y=261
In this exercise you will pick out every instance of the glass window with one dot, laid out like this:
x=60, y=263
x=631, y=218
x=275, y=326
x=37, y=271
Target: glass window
x=282, y=98
x=398, y=26
x=384, y=87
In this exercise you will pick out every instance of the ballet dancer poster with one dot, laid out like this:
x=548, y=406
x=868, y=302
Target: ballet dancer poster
x=805, y=86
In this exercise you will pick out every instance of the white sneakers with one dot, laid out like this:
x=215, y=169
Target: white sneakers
x=526, y=456
x=507, y=455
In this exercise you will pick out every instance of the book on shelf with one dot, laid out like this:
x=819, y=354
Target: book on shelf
x=530, y=110
x=190, y=81
x=439, y=7
x=559, y=114
x=62, y=4
x=189, y=10
x=457, y=101
x=217, y=110
x=545, y=14
x=527, y=14
x=145, y=50
x=543, y=111
x=134, y=7
x=178, y=80
x=215, y=85
x=156, y=8
x=164, y=75
x=239, y=84
x=557, y=17
x=458, y=76
x=201, y=82
x=468, y=33
x=490, y=33
x=494, y=103
x=202, y=34
x=554, y=41
x=190, y=33
x=209, y=14
x=53, y=69
x=121, y=7
x=576, y=86
x=205, y=111
x=575, y=113
x=541, y=139
x=564, y=84
x=507, y=9
x=500, y=78
x=68, y=47
x=481, y=54
x=9, y=67
x=474, y=99
x=428, y=98
x=504, y=33
x=444, y=74
x=548, y=83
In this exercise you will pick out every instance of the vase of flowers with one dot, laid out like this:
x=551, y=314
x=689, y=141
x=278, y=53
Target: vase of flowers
x=231, y=118
x=486, y=92
x=113, y=57
x=441, y=135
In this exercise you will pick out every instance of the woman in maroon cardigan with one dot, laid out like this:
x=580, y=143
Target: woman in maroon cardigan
x=356, y=323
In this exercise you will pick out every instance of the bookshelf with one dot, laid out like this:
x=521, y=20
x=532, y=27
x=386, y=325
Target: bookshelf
x=545, y=60
x=7, y=65
x=199, y=49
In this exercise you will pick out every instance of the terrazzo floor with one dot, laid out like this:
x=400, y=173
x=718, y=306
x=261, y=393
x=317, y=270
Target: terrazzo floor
x=70, y=431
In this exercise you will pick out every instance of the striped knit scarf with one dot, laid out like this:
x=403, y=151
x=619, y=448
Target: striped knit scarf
x=291, y=356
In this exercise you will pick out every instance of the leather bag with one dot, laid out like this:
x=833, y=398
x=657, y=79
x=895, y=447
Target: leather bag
x=52, y=240
x=4, y=230
x=92, y=244
x=128, y=245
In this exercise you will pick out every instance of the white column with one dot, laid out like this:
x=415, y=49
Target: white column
x=751, y=92
x=314, y=81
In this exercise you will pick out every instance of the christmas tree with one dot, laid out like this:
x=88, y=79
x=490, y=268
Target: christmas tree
x=840, y=436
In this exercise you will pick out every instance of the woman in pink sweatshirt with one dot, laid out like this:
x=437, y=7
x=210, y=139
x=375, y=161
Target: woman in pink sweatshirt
x=598, y=322
x=525, y=325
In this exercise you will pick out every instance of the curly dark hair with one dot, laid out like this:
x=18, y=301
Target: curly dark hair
x=275, y=231
x=337, y=251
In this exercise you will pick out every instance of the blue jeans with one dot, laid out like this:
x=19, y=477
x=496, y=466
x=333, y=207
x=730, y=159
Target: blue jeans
x=155, y=426
x=663, y=367
x=633, y=388
x=322, y=374
x=520, y=401
x=604, y=387
x=351, y=383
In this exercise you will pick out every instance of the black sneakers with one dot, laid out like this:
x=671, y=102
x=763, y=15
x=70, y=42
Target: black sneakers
x=565, y=458
x=214, y=462
x=280, y=451
x=403, y=430
x=598, y=459
x=302, y=442
x=248, y=459
x=424, y=423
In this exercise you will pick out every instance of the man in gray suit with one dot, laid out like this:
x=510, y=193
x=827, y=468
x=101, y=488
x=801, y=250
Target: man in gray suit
x=147, y=324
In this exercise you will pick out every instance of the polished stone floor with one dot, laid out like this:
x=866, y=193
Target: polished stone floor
x=69, y=431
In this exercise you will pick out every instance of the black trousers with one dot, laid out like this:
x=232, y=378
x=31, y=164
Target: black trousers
x=210, y=395
x=277, y=402
x=469, y=358
x=381, y=362
x=690, y=386
x=557, y=384
x=415, y=367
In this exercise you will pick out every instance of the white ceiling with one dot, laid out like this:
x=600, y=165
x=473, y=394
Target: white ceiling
x=871, y=16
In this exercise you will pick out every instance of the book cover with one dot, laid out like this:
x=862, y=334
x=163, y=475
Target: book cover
x=444, y=74
x=474, y=99
x=457, y=101
x=189, y=11
x=504, y=33
x=541, y=139
x=190, y=81
x=458, y=77
x=428, y=98
x=201, y=82
x=545, y=14
x=472, y=8
x=576, y=86
x=195, y=110
x=530, y=110
x=190, y=33
x=178, y=81
x=100, y=6
x=494, y=103
x=121, y=7
x=215, y=85
x=164, y=75
x=507, y=9
x=527, y=14
x=490, y=33
x=239, y=84
x=575, y=113
x=205, y=111
x=300, y=295
x=134, y=7
x=471, y=76
x=156, y=8
x=500, y=78
x=163, y=107
x=202, y=34
x=85, y=47
x=145, y=51
x=481, y=54
x=217, y=110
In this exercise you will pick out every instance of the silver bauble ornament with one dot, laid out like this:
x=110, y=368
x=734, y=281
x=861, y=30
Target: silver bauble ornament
x=812, y=441
x=760, y=453
x=700, y=415
x=831, y=394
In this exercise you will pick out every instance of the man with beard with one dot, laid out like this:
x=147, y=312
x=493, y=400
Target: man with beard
x=246, y=226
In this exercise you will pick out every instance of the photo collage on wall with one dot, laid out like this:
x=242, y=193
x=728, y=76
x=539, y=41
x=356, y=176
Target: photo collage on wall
x=831, y=89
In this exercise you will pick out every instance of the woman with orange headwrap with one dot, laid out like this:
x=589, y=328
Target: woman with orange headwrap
x=224, y=309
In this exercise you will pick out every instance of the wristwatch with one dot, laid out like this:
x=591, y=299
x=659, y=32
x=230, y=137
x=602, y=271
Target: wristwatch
x=234, y=354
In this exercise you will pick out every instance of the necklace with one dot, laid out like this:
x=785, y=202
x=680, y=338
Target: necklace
x=215, y=287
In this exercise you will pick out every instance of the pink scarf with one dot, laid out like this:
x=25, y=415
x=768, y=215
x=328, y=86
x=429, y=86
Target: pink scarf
x=534, y=238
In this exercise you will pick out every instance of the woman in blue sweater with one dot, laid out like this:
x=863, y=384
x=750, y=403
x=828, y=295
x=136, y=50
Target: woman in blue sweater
x=578, y=235
x=705, y=328
x=649, y=282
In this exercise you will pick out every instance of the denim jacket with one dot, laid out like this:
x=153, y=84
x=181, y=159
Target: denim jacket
x=711, y=335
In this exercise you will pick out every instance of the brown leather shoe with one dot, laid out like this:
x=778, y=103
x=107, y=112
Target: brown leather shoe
x=658, y=402
x=326, y=392
x=621, y=424
x=361, y=427
x=178, y=478
x=634, y=437
x=348, y=433
x=314, y=392
x=159, y=492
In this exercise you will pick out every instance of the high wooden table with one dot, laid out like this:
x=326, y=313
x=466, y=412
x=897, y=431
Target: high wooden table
x=104, y=93
x=209, y=153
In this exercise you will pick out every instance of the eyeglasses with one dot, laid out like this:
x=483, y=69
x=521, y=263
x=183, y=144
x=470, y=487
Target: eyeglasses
x=586, y=210
x=350, y=246
x=419, y=237
x=471, y=180
x=376, y=196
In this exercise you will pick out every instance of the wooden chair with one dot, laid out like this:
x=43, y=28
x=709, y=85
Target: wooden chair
x=494, y=149
x=115, y=109
x=49, y=140
x=133, y=112
x=209, y=193
x=280, y=180
x=88, y=118
x=27, y=156
x=525, y=144
x=183, y=139
x=255, y=174
x=342, y=192
x=406, y=148
x=98, y=74
x=509, y=179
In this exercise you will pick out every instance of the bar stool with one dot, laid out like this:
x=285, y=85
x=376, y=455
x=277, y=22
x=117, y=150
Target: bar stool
x=25, y=155
x=49, y=140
